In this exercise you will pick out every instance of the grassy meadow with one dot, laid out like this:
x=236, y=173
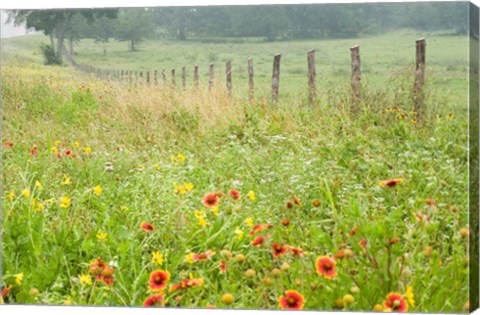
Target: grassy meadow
x=127, y=194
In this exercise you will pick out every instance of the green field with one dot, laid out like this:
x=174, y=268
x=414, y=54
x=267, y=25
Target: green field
x=86, y=162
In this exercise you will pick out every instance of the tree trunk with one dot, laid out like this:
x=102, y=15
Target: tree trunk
x=60, y=32
x=70, y=46
x=52, y=43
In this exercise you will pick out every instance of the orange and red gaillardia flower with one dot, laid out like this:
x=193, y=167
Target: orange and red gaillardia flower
x=257, y=228
x=258, y=241
x=325, y=267
x=210, y=200
x=296, y=251
x=158, y=280
x=107, y=276
x=154, y=300
x=391, y=182
x=235, y=195
x=147, y=227
x=97, y=267
x=223, y=266
x=187, y=283
x=278, y=250
x=396, y=302
x=203, y=256
x=8, y=144
x=292, y=300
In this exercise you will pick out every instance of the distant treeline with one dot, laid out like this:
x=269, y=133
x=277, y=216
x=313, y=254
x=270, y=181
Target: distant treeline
x=270, y=22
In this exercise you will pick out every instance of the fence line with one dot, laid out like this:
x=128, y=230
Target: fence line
x=129, y=75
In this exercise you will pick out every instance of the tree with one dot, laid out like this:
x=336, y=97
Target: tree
x=133, y=25
x=56, y=22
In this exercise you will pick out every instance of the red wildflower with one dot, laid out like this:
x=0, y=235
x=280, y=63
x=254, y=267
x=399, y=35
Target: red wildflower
x=297, y=201
x=362, y=243
x=203, y=256
x=325, y=267
x=187, y=283
x=34, y=151
x=147, y=227
x=154, y=300
x=68, y=152
x=223, y=266
x=8, y=144
x=258, y=241
x=6, y=291
x=278, y=250
x=296, y=251
x=235, y=195
x=210, y=200
x=158, y=280
x=97, y=267
x=394, y=240
x=391, y=182
x=259, y=228
x=292, y=300
x=396, y=302
x=107, y=276
x=285, y=222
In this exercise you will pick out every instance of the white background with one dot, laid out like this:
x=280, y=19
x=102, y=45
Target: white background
x=26, y=4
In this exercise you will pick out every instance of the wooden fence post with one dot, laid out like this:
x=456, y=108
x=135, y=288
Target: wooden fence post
x=148, y=77
x=211, y=75
x=164, y=76
x=356, y=74
x=276, y=77
x=228, y=72
x=184, y=78
x=312, y=89
x=251, y=93
x=418, y=95
x=195, y=75
x=173, y=78
x=155, y=77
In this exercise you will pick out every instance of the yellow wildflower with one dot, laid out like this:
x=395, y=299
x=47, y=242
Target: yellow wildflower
x=215, y=211
x=189, y=258
x=251, y=195
x=87, y=150
x=66, y=181
x=157, y=167
x=249, y=221
x=57, y=143
x=102, y=235
x=54, y=150
x=239, y=234
x=65, y=202
x=188, y=186
x=26, y=193
x=11, y=196
x=19, y=278
x=157, y=258
x=97, y=190
x=68, y=301
x=38, y=185
x=179, y=189
x=85, y=279
x=124, y=208
x=410, y=295
x=37, y=205
x=76, y=144
x=179, y=158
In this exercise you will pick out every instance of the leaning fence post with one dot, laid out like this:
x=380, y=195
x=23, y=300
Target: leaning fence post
x=155, y=77
x=195, y=75
x=356, y=74
x=173, y=78
x=251, y=93
x=418, y=95
x=276, y=77
x=228, y=72
x=312, y=89
x=184, y=78
x=211, y=75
